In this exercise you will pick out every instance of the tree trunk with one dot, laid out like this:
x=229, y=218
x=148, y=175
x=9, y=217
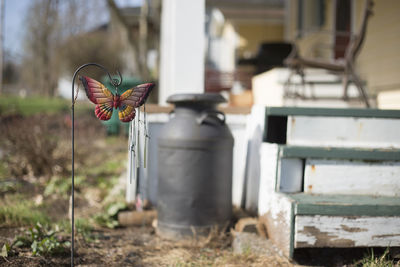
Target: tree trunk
x=139, y=48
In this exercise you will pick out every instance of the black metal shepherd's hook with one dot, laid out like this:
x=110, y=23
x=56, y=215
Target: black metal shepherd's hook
x=115, y=83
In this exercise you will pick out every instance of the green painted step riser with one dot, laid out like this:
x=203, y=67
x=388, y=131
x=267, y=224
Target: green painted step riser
x=344, y=205
x=333, y=112
x=340, y=153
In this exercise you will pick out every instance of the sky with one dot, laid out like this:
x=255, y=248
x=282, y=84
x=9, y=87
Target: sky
x=13, y=25
x=15, y=12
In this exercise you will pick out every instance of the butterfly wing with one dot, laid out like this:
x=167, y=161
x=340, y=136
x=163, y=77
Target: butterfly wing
x=132, y=99
x=99, y=95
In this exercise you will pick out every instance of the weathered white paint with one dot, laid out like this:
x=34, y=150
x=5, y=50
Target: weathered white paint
x=352, y=177
x=237, y=125
x=337, y=231
x=278, y=220
x=268, y=164
x=290, y=175
x=284, y=175
x=275, y=209
x=343, y=132
x=182, y=48
x=254, y=136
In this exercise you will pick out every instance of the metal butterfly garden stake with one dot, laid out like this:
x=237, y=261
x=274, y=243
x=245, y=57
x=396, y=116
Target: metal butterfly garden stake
x=106, y=102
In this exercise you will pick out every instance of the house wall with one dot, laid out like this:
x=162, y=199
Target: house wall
x=379, y=59
x=253, y=34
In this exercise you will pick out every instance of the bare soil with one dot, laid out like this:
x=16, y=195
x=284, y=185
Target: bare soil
x=140, y=246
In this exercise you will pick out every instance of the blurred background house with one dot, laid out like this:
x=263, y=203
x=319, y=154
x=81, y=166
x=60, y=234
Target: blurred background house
x=321, y=30
x=242, y=39
x=237, y=48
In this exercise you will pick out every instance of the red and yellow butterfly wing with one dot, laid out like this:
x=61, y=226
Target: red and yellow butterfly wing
x=126, y=113
x=103, y=111
x=131, y=99
x=99, y=95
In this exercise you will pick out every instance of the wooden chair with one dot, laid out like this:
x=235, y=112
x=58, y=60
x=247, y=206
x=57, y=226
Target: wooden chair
x=345, y=66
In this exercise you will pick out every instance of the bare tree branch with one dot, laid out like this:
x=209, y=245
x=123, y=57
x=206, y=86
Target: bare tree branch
x=139, y=47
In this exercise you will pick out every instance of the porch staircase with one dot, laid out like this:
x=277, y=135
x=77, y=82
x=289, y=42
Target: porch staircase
x=319, y=89
x=330, y=178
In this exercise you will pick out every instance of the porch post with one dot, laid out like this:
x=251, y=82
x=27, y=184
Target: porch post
x=182, y=48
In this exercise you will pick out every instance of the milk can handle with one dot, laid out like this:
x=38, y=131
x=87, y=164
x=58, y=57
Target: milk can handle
x=216, y=114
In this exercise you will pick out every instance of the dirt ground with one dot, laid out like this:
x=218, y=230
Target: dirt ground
x=123, y=246
x=140, y=246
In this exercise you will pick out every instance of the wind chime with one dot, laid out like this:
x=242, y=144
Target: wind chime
x=127, y=104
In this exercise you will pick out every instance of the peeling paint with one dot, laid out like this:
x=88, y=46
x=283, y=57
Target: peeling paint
x=322, y=239
x=313, y=168
x=360, y=128
x=353, y=229
x=347, y=231
x=385, y=236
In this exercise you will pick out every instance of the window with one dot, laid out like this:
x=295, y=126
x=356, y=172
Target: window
x=311, y=16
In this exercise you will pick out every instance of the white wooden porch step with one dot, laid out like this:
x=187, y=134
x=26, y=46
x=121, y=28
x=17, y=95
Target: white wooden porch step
x=343, y=132
x=352, y=177
x=345, y=221
x=319, y=127
x=327, y=170
x=297, y=220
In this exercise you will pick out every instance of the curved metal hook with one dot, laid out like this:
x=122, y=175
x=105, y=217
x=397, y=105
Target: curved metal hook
x=117, y=82
x=114, y=82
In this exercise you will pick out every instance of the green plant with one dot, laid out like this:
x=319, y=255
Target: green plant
x=84, y=228
x=62, y=186
x=109, y=217
x=43, y=240
x=372, y=260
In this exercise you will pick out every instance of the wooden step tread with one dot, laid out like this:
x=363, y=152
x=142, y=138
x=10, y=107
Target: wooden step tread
x=345, y=205
x=367, y=154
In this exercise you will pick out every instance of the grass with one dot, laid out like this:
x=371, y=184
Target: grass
x=372, y=260
x=36, y=104
x=31, y=105
x=18, y=211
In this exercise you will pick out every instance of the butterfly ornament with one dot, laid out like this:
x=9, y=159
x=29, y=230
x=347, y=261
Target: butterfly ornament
x=106, y=101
